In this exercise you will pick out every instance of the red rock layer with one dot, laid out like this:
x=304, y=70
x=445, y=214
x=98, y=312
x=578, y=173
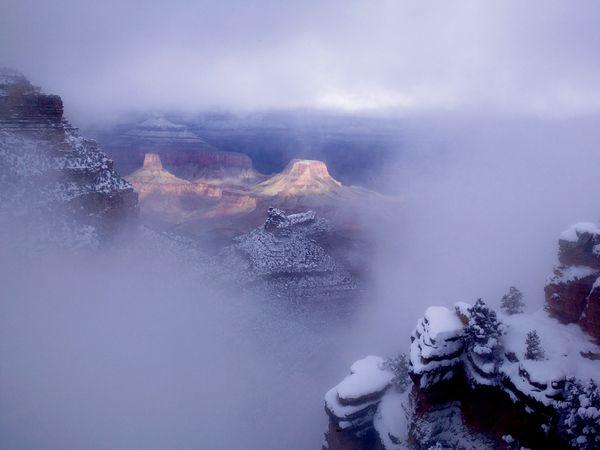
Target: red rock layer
x=573, y=292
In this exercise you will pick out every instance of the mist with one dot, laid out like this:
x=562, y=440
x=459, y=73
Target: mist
x=136, y=348
x=484, y=201
x=133, y=348
x=483, y=121
x=536, y=57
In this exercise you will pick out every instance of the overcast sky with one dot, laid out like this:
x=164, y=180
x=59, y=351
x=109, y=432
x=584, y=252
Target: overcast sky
x=534, y=57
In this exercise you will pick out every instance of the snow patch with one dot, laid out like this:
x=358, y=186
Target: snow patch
x=572, y=233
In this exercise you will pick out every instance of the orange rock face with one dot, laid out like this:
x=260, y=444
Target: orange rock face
x=231, y=204
x=300, y=177
x=163, y=194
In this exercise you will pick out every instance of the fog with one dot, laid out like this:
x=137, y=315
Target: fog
x=485, y=199
x=136, y=347
x=536, y=57
x=133, y=347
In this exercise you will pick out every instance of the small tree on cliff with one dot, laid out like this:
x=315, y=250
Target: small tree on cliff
x=482, y=337
x=512, y=301
x=533, y=346
x=579, y=418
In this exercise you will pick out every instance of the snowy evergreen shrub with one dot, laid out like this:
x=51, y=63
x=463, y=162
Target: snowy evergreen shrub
x=533, y=347
x=482, y=344
x=483, y=331
x=512, y=301
x=579, y=419
x=398, y=365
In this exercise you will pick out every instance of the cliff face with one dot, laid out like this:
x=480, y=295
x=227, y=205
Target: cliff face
x=183, y=152
x=49, y=171
x=167, y=197
x=573, y=291
x=474, y=382
x=300, y=177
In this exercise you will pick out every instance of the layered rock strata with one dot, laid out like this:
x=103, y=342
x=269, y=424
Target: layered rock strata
x=505, y=400
x=51, y=174
x=288, y=257
x=573, y=290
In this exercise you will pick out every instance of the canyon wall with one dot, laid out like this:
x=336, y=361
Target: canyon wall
x=49, y=171
x=476, y=383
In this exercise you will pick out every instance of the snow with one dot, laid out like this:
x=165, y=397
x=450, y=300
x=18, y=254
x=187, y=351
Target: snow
x=442, y=323
x=299, y=218
x=563, y=346
x=366, y=378
x=437, y=346
x=567, y=274
x=289, y=260
x=462, y=308
x=596, y=284
x=340, y=411
x=392, y=419
x=572, y=233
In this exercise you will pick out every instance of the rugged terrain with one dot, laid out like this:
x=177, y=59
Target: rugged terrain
x=182, y=151
x=202, y=202
x=290, y=256
x=474, y=380
x=60, y=189
x=56, y=185
x=166, y=197
x=354, y=148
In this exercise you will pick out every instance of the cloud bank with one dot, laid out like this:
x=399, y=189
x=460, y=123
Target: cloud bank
x=536, y=57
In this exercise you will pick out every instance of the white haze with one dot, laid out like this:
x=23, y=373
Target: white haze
x=536, y=57
x=133, y=349
x=129, y=349
x=485, y=201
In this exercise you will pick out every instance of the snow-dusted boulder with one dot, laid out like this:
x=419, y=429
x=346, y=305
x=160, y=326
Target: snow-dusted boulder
x=352, y=403
x=579, y=245
x=288, y=256
x=436, y=346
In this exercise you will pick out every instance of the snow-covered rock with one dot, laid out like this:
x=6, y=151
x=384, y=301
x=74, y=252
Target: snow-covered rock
x=572, y=294
x=287, y=256
x=351, y=405
x=54, y=183
x=442, y=426
x=436, y=346
x=474, y=386
x=434, y=411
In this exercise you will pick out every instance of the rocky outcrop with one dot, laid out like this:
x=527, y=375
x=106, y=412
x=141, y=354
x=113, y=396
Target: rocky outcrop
x=436, y=346
x=300, y=177
x=167, y=197
x=572, y=291
x=475, y=384
x=451, y=407
x=351, y=405
x=52, y=175
x=288, y=256
x=183, y=153
x=24, y=107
